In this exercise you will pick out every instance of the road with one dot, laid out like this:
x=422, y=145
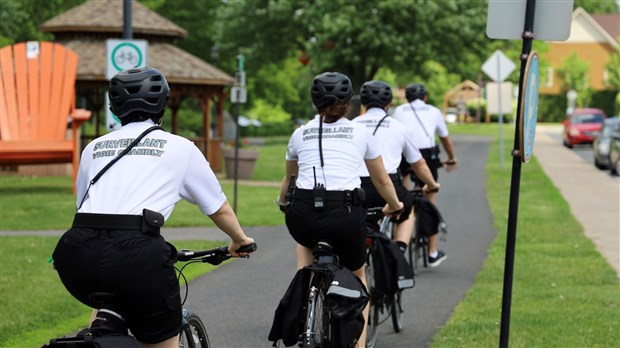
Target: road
x=237, y=301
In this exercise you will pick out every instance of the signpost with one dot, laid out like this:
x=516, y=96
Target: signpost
x=498, y=67
x=122, y=55
x=238, y=95
x=516, y=20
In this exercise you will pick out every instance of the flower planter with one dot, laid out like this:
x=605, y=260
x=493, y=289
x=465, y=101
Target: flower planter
x=247, y=160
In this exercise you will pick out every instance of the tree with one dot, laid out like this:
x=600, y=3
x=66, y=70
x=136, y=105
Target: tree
x=574, y=75
x=357, y=38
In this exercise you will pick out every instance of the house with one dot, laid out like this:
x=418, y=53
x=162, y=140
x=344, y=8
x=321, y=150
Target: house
x=593, y=38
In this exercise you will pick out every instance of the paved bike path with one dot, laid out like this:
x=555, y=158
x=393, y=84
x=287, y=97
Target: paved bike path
x=237, y=301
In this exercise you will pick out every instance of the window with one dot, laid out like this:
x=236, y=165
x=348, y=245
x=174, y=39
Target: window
x=549, y=82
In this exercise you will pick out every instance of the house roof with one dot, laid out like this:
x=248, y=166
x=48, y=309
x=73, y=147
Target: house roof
x=106, y=16
x=598, y=27
x=176, y=64
x=609, y=22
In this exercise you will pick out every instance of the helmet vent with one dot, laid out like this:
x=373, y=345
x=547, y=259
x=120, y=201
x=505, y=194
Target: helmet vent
x=155, y=89
x=156, y=78
x=133, y=90
x=152, y=100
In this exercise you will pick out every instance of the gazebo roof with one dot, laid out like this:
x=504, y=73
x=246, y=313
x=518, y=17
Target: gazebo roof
x=106, y=16
x=177, y=65
x=80, y=29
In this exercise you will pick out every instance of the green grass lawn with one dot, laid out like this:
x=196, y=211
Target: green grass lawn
x=564, y=294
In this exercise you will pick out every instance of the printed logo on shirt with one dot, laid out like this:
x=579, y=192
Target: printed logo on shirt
x=335, y=132
x=146, y=147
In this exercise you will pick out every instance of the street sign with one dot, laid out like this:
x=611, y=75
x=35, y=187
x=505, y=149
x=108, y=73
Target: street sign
x=238, y=95
x=122, y=55
x=552, y=21
x=125, y=54
x=493, y=100
x=498, y=67
x=529, y=108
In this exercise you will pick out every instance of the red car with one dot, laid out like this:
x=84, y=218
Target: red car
x=582, y=126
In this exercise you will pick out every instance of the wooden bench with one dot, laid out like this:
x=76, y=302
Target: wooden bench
x=37, y=102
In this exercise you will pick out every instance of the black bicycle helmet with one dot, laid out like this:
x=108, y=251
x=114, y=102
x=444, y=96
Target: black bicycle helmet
x=331, y=87
x=138, y=90
x=415, y=91
x=376, y=94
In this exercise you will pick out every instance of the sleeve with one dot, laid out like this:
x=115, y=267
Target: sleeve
x=410, y=151
x=200, y=186
x=442, y=128
x=372, y=147
x=291, y=151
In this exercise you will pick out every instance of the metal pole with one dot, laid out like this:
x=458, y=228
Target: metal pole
x=515, y=184
x=236, y=172
x=500, y=119
x=127, y=29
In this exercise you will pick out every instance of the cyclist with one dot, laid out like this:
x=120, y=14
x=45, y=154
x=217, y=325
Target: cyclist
x=394, y=141
x=114, y=244
x=425, y=120
x=326, y=154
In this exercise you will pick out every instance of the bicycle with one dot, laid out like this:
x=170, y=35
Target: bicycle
x=323, y=324
x=110, y=329
x=378, y=302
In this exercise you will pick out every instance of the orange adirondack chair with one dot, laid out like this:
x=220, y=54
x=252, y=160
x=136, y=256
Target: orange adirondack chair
x=37, y=100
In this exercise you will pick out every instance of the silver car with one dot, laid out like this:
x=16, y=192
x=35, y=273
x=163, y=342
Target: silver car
x=602, y=143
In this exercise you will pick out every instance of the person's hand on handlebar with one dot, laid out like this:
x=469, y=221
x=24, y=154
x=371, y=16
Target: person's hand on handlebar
x=393, y=212
x=235, y=245
x=431, y=188
x=451, y=164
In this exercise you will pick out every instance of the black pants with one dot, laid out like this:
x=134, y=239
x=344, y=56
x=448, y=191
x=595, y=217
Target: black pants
x=134, y=266
x=341, y=225
x=374, y=200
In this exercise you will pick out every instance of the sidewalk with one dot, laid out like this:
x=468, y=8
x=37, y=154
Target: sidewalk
x=593, y=196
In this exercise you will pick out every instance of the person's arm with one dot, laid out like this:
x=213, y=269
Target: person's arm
x=226, y=220
x=383, y=183
x=423, y=173
x=452, y=161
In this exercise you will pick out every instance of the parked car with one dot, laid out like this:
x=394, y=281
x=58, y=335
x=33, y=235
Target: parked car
x=582, y=126
x=602, y=142
x=614, y=150
x=451, y=115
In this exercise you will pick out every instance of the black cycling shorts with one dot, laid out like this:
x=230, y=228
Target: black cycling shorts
x=136, y=267
x=342, y=226
x=374, y=200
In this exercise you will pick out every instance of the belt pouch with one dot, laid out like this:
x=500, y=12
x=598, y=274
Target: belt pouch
x=151, y=222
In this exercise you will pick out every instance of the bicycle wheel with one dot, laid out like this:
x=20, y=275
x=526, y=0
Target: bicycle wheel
x=416, y=253
x=194, y=334
x=316, y=328
x=373, y=311
x=397, y=312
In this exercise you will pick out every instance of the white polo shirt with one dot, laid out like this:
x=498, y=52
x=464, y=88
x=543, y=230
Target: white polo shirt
x=393, y=138
x=158, y=172
x=346, y=145
x=429, y=118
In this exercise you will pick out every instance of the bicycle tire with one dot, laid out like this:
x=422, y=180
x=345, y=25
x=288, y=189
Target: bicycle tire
x=396, y=312
x=195, y=334
x=372, y=328
x=317, y=325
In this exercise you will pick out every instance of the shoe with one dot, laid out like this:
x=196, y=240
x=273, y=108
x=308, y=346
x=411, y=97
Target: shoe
x=436, y=261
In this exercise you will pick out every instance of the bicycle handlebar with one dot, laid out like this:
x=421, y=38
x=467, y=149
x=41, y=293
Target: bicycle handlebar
x=213, y=256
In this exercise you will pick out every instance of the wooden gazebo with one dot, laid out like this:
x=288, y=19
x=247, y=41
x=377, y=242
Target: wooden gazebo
x=85, y=29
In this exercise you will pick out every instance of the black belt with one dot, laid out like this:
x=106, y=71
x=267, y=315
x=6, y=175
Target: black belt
x=396, y=178
x=356, y=196
x=108, y=221
x=150, y=222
